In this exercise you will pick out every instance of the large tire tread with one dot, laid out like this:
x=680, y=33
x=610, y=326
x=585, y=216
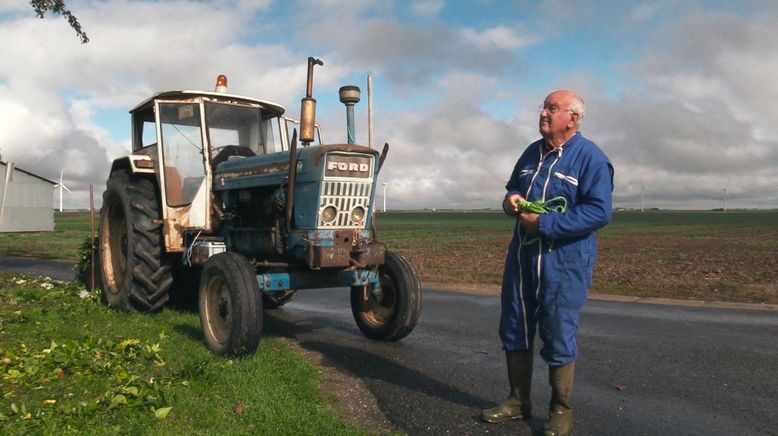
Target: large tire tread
x=147, y=279
x=230, y=305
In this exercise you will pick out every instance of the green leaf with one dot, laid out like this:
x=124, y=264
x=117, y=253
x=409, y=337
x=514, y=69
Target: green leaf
x=162, y=412
x=128, y=343
x=131, y=390
x=117, y=400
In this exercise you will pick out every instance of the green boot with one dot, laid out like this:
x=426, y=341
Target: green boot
x=560, y=414
x=517, y=405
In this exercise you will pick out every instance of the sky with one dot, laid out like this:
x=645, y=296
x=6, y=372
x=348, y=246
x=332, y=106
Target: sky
x=681, y=95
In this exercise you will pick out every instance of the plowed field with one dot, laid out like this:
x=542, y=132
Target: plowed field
x=711, y=256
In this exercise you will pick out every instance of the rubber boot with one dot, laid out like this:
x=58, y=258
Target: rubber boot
x=560, y=413
x=517, y=405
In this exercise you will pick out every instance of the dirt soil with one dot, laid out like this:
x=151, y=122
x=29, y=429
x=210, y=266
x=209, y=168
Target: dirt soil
x=696, y=267
x=348, y=396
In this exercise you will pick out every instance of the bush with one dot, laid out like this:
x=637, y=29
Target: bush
x=84, y=265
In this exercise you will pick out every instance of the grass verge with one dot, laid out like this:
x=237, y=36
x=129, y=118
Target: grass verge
x=70, y=231
x=70, y=364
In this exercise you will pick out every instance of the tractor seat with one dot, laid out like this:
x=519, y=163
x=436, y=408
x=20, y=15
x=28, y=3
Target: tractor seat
x=173, y=187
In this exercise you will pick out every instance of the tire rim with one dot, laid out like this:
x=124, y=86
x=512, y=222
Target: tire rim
x=114, y=246
x=380, y=309
x=218, y=309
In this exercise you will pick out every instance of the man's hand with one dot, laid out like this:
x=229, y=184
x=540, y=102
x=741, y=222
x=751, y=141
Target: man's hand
x=530, y=222
x=511, y=204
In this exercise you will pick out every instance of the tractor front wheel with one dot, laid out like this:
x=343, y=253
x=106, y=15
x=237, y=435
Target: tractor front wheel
x=230, y=305
x=391, y=313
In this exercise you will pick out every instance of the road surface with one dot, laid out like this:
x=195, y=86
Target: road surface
x=643, y=369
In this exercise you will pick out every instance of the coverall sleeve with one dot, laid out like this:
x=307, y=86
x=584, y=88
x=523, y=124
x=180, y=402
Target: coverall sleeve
x=512, y=187
x=592, y=211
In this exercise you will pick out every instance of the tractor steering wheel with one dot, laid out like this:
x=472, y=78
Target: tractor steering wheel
x=224, y=152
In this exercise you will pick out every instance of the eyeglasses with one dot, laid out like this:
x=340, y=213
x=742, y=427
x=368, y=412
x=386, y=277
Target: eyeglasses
x=552, y=108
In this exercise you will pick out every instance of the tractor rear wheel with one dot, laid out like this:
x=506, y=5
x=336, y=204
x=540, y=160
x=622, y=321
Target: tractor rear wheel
x=134, y=273
x=230, y=305
x=391, y=314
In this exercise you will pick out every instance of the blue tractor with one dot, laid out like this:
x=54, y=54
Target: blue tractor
x=217, y=186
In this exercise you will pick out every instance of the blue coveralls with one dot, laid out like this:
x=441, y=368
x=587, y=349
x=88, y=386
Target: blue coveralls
x=545, y=282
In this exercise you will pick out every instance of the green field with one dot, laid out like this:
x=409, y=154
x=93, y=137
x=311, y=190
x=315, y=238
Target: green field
x=70, y=230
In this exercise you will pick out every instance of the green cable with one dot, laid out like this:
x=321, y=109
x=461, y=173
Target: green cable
x=557, y=204
x=541, y=207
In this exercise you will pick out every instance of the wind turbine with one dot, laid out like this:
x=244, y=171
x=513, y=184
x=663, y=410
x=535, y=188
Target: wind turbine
x=61, y=186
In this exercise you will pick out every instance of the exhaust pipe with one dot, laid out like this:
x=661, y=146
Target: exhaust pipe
x=308, y=107
x=307, y=125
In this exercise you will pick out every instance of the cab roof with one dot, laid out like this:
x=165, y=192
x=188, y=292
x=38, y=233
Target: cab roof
x=189, y=94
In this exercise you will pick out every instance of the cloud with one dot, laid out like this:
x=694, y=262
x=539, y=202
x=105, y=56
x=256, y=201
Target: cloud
x=54, y=89
x=701, y=122
x=678, y=94
x=500, y=37
x=415, y=56
x=427, y=7
x=644, y=11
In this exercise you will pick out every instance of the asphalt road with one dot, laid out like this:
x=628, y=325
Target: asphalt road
x=643, y=369
x=56, y=269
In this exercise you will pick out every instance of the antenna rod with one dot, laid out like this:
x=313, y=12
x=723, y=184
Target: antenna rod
x=370, y=111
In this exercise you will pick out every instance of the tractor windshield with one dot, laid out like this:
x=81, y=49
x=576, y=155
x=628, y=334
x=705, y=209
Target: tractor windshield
x=237, y=131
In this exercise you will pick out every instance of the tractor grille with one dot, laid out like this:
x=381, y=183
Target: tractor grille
x=345, y=197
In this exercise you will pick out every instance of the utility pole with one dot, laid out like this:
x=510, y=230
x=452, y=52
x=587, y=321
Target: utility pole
x=724, y=190
x=384, y=197
x=642, y=197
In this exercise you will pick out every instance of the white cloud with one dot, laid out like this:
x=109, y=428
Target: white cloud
x=501, y=37
x=427, y=7
x=644, y=11
x=692, y=112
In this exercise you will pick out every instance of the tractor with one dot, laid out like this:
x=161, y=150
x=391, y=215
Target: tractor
x=217, y=187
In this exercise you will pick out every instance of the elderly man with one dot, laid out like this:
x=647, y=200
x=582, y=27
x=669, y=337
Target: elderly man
x=548, y=268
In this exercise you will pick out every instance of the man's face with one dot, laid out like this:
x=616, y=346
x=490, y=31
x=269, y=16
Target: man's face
x=555, y=120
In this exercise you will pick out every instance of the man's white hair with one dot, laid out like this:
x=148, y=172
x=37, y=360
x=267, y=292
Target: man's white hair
x=577, y=106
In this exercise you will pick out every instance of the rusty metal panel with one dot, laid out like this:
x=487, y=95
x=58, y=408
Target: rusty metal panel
x=345, y=252
x=373, y=254
x=328, y=257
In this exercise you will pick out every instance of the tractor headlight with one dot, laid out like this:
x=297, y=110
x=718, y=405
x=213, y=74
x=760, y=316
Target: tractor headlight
x=357, y=214
x=328, y=214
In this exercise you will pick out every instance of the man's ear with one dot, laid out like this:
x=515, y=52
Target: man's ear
x=573, y=119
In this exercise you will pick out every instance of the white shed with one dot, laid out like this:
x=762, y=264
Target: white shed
x=25, y=201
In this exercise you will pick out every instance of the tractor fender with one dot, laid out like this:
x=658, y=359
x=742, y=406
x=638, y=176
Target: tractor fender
x=135, y=164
